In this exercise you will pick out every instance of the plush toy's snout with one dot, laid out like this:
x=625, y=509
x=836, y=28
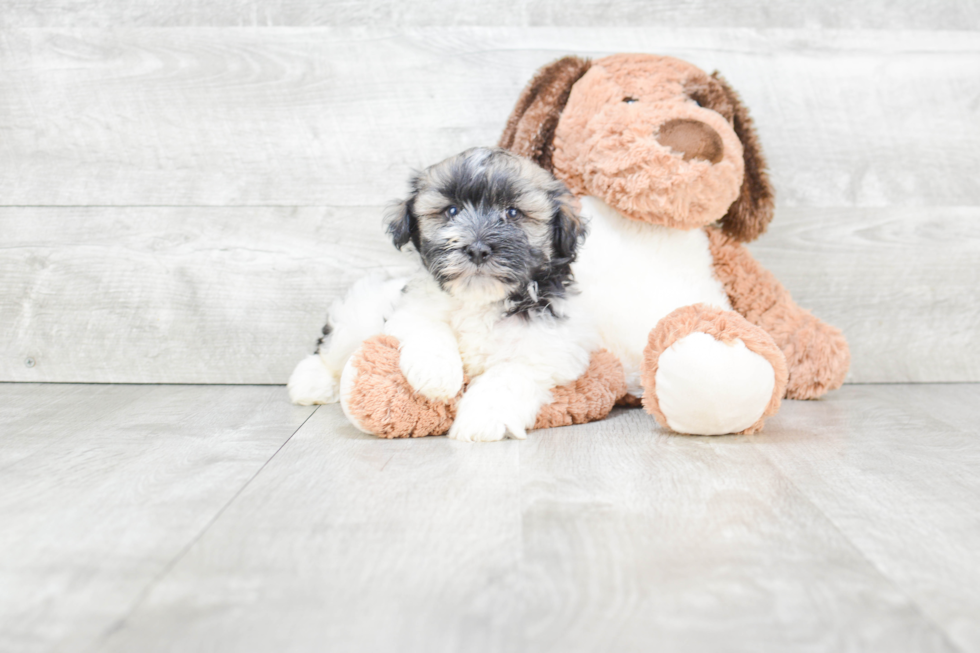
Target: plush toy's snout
x=692, y=139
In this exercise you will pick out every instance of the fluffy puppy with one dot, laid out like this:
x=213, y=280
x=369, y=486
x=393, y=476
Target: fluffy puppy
x=492, y=301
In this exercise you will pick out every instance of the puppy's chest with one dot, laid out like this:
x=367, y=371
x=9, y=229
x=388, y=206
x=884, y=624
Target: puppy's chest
x=480, y=336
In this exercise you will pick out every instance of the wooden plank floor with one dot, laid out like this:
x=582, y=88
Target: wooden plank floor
x=221, y=518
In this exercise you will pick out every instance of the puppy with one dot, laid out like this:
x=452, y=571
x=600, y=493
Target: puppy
x=492, y=300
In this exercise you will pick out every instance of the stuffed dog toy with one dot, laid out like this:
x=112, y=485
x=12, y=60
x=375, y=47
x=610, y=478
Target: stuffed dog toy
x=666, y=164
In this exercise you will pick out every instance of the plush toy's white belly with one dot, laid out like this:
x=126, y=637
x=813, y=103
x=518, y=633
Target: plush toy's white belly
x=632, y=274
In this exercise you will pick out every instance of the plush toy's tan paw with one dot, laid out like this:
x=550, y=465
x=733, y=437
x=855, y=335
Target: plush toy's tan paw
x=590, y=397
x=378, y=399
x=708, y=371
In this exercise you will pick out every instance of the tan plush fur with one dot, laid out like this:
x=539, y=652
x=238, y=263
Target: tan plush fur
x=606, y=117
x=530, y=130
x=383, y=402
x=725, y=326
x=588, y=398
x=608, y=143
x=816, y=353
x=612, y=141
x=662, y=142
x=751, y=213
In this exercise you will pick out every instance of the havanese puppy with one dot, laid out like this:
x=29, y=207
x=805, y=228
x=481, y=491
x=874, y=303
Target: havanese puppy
x=493, y=298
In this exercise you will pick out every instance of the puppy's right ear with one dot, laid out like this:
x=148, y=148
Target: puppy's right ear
x=567, y=229
x=530, y=130
x=402, y=224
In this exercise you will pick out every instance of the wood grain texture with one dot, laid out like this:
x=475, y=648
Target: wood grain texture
x=955, y=404
x=910, y=14
x=350, y=543
x=62, y=409
x=173, y=518
x=217, y=187
x=238, y=295
x=170, y=295
x=902, y=283
x=120, y=485
x=906, y=498
x=626, y=538
x=333, y=116
x=637, y=539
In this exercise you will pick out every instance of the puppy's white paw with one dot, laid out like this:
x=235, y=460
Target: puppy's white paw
x=478, y=420
x=435, y=374
x=312, y=383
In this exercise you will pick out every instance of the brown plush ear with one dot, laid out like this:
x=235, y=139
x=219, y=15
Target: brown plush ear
x=530, y=130
x=750, y=214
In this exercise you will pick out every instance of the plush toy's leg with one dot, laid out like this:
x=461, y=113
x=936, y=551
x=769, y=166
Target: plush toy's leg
x=377, y=399
x=707, y=371
x=590, y=397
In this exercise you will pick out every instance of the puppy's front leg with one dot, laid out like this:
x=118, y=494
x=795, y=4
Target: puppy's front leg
x=502, y=401
x=429, y=356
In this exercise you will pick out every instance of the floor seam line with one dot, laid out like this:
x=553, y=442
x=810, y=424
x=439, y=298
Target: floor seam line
x=118, y=624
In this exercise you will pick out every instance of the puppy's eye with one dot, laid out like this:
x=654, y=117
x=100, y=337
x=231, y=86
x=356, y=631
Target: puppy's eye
x=452, y=211
x=629, y=100
x=512, y=213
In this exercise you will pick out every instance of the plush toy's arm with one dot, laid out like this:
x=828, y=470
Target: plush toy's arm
x=816, y=353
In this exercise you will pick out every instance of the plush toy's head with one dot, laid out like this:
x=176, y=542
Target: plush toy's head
x=656, y=138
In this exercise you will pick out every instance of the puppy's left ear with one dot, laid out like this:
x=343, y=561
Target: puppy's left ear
x=750, y=214
x=567, y=228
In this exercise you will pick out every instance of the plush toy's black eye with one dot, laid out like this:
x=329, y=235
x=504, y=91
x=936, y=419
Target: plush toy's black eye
x=512, y=213
x=629, y=100
x=452, y=211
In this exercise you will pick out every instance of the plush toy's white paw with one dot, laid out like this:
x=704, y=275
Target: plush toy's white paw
x=348, y=379
x=434, y=373
x=707, y=387
x=312, y=383
x=480, y=420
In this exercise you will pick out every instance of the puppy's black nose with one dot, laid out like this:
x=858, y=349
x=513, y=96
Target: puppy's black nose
x=478, y=252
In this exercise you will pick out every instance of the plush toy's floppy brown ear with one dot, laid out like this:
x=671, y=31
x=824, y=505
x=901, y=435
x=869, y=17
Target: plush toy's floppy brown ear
x=750, y=214
x=530, y=130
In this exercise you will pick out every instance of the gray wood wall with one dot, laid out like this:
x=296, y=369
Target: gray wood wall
x=185, y=186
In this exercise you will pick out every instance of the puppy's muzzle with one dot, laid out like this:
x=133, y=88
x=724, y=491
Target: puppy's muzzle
x=478, y=252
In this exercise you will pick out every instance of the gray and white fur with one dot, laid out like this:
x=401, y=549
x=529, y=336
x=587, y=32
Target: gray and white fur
x=495, y=236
